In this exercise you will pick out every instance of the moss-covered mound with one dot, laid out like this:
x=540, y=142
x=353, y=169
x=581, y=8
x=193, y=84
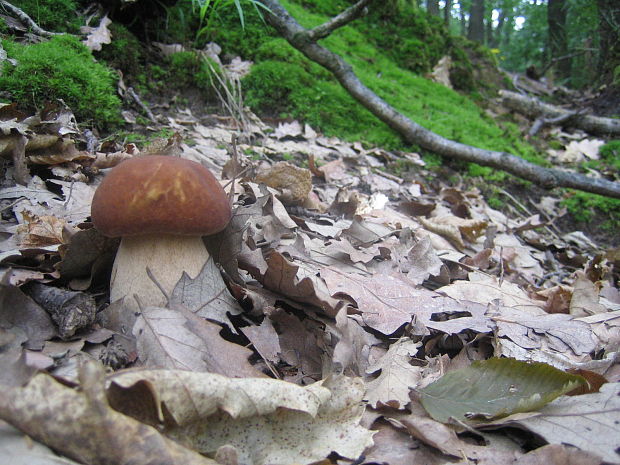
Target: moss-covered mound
x=61, y=68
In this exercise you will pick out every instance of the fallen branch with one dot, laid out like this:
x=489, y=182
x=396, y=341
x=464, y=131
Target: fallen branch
x=542, y=121
x=535, y=108
x=27, y=20
x=302, y=39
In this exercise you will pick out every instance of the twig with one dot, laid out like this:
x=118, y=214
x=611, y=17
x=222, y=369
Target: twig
x=542, y=121
x=136, y=98
x=348, y=15
x=27, y=20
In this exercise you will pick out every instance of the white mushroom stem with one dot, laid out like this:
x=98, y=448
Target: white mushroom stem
x=166, y=256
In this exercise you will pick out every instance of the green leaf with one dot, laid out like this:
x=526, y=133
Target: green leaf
x=495, y=388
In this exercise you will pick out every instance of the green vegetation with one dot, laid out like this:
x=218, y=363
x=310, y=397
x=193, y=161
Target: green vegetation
x=610, y=153
x=585, y=206
x=284, y=83
x=62, y=68
x=125, y=52
x=53, y=15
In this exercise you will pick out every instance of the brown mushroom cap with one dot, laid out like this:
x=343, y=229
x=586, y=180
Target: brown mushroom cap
x=160, y=195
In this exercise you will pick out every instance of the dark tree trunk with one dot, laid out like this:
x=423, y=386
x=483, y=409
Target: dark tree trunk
x=447, y=10
x=432, y=7
x=475, y=31
x=463, y=20
x=609, y=33
x=558, y=46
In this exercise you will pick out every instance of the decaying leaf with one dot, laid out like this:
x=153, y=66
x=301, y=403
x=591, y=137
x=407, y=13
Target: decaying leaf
x=181, y=340
x=267, y=421
x=397, y=376
x=293, y=183
x=81, y=425
x=589, y=422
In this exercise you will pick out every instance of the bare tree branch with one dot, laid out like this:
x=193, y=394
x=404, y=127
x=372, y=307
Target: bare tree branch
x=535, y=108
x=27, y=20
x=348, y=15
x=300, y=38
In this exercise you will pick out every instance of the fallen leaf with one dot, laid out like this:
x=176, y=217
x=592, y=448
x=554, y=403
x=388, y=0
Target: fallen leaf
x=397, y=376
x=267, y=421
x=495, y=388
x=97, y=36
x=589, y=422
x=179, y=339
x=80, y=424
x=206, y=295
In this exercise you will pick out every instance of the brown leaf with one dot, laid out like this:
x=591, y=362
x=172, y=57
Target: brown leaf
x=387, y=302
x=19, y=310
x=352, y=351
x=585, y=298
x=264, y=339
x=179, y=339
x=297, y=283
x=397, y=376
x=298, y=343
x=293, y=183
x=206, y=295
x=396, y=447
x=80, y=424
x=558, y=454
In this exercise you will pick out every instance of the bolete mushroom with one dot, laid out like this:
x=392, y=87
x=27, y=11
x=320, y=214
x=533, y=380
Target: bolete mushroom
x=161, y=206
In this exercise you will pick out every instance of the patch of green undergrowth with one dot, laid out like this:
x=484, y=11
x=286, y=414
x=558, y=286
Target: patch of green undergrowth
x=125, y=52
x=584, y=207
x=285, y=83
x=62, y=68
x=53, y=15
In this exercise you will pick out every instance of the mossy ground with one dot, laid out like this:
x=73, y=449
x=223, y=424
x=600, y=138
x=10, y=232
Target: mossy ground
x=61, y=68
x=391, y=50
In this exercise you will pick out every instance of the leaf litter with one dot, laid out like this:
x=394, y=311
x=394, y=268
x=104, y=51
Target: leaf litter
x=337, y=297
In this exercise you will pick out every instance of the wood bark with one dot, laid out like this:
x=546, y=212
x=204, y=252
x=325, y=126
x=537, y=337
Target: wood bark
x=432, y=6
x=447, y=11
x=475, y=31
x=609, y=32
x=413, y=133
x=535, y=108
x=558, y=43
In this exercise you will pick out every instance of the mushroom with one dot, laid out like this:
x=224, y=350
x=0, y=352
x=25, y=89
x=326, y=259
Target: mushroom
x=161, y=206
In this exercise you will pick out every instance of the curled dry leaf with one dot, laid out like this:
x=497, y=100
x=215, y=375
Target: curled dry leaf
x=81, y=425
x=267, y=421
x=294, y=183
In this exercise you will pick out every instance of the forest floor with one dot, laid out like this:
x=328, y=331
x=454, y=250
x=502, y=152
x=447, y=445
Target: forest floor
x=363, y=305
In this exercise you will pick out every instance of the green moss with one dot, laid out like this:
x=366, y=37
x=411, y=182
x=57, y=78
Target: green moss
x=181, y=70
x=62, y=68
x=584, y=206
x=53, y=15
x=610, y=153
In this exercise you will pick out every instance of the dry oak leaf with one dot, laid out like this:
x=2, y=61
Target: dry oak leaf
x=179, y=339
x=387, y=302
x=267, y=421
x=590, y=422
x=294, y=183
x=483, y=289
x=397, y=376
x=80, y=424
